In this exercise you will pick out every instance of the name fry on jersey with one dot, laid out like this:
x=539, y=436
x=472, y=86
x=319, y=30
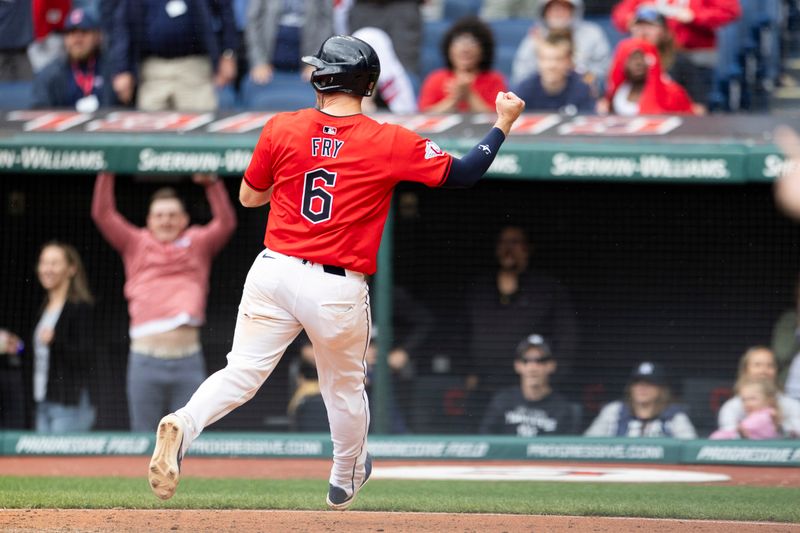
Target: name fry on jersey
x=325, y=147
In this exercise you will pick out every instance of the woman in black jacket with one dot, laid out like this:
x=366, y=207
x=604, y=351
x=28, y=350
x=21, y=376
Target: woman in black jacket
x=62, y=343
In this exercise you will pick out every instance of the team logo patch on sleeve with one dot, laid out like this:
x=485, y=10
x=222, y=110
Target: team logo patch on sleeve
x=432, y=150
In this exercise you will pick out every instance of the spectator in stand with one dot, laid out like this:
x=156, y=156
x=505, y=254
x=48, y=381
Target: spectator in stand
x=647, y=410
x=759, y=362
x=693, y=24
x=395, y=89
x=401, y=19
x=62, y=343
x=592, y=51
x=279, y=33
x=762, y=418
x=12, y=389
x=48, y=21
x=412, y=324
x=556, y=86
x=786, y=347
x=167, y=265
x=306, y=408
x=171, y=50
x=468, y=83
x=16, y=33
x=397, y=419
x=508, y=9
x=532, y=408
x=79, y=80
x=504, y=306
x=649, y=24
x=637, y=85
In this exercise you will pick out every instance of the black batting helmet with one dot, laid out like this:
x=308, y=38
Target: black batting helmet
x=345, y=64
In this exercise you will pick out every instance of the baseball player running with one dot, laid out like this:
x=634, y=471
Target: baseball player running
x=329, y=174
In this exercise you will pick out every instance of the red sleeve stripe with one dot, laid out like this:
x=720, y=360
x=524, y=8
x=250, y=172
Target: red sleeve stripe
x=250, y=184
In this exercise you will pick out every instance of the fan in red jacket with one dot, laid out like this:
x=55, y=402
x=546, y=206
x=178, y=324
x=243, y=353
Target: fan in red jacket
x=637, y=85
x=49, y=16
x=692, y=22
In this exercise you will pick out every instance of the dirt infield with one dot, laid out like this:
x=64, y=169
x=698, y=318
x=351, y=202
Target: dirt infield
x=353, y=522
x=120, y=520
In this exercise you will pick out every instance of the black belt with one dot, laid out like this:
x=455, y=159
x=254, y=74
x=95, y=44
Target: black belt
x=330, y=269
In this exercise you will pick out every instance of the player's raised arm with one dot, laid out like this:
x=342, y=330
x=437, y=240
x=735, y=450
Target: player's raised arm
x=787, y=184
x=465, y=172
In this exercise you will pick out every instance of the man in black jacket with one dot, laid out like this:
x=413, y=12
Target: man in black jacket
x=80, y=80
x=508, y=304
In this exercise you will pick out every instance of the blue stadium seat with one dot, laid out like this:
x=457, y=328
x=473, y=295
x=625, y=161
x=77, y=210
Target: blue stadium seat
x=455, y=9
x=729, y=73
x=16, y=94
x=613, y=35
x=227, y=97
x=430, y=54
x=286, y=92
x=749, y=56
x=504, y=60
x=508, y=34
x=240, y=13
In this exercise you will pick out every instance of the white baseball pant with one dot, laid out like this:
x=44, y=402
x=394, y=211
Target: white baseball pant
x=283, y=295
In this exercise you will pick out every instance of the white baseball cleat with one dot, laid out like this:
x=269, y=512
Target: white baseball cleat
x=165, y=465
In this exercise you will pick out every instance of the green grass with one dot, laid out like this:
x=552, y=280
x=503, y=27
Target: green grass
x=596, y=499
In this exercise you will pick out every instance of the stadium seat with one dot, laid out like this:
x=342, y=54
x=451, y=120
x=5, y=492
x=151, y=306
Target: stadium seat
x=240, y=13
x=508, y=34
x=227, y=97
x=749, y=56
x=439, y=405
x=703, y=398
x=455, y=9
x=504, y=60
x=613, y=35
x=430, y=59
x=16, y=94
x=286, y=92
x=729, y=73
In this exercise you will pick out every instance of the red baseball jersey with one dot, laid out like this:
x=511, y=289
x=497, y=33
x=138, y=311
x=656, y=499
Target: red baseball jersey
x=332, y=180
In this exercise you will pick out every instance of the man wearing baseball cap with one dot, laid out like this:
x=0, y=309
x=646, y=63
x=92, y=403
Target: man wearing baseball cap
x=649, y=24
x=532, y=408
x=591, y=52
x=79, y=80
x=646, y=411
x=694, y=23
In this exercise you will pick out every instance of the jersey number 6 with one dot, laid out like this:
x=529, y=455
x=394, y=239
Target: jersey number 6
x=317, y=202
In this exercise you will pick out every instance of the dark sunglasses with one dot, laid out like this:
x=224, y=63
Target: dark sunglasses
x=537, y=360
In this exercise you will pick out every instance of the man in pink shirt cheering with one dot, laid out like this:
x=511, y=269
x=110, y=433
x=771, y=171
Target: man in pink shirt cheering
x=167, y=265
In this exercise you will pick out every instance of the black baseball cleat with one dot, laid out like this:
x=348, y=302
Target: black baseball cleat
x=165, y=465
x=338, y=500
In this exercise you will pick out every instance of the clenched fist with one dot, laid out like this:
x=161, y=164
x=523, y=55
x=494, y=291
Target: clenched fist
x=509, y=108
x=787, y=185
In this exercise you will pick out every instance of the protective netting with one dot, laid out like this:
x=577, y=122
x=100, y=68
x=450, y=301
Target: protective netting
x=685, y=276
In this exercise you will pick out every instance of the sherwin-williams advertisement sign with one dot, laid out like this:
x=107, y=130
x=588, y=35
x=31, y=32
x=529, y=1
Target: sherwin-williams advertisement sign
x=541, y=146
